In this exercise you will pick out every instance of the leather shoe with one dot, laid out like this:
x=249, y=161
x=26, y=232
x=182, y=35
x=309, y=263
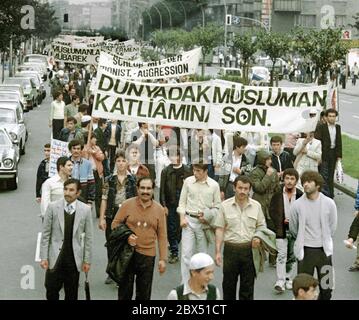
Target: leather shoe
x=353, y=268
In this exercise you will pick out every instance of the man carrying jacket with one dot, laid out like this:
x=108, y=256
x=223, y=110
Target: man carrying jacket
x=172, y=178
x=279, y=211
x=147, y=220
x=236, y=224
x=119, y=187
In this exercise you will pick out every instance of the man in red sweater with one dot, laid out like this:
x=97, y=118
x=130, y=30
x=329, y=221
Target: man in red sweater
x=147, y=220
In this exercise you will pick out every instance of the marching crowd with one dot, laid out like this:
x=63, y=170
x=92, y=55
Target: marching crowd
x=251, y=196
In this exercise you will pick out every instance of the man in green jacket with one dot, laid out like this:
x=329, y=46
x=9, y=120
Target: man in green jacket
x=265, y=182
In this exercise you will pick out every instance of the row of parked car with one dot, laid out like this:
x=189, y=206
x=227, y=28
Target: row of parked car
x=18, y=94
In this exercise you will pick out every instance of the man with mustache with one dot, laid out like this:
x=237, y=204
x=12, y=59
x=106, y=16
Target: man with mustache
x=66, y=244
x=147, y=220
x=237, y=221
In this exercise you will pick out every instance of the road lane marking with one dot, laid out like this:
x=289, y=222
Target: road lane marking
x=356, y=117
x=346, y=101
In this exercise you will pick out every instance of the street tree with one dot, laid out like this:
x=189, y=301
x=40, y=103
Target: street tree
x=274, y=45
x=247, y=46
x=207, y=37
x=322, y=47
x=356, y=21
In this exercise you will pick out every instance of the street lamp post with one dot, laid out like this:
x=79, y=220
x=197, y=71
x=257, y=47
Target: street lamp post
x=159, y=12
x=169, y=12
x=255, y=20
x=185, y=15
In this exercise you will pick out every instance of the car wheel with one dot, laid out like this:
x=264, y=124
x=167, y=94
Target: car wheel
x=22, y=148
x=34, y=103
x=12, y=184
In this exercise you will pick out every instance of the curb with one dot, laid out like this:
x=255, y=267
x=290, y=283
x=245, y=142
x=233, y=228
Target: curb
x=347, y=190
x=349, y=94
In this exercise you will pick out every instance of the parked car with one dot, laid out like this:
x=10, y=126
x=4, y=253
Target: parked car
x=32, y=67
x=41, y=66
x=41, y=91
x=37, y=58
x=29, y=87
x=230, y=71
x=259, y=75
x=9, y=158
x=12, y=119
x=278, y=67
x=19, y=89
x=11, y=95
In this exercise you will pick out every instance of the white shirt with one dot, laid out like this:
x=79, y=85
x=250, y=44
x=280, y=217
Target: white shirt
x=52, y=190
x=288, y=203
x=237, y=161
x=57, y=110
x=72, y=206
x=332, y=132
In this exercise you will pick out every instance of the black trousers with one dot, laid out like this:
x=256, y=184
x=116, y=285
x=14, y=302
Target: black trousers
x=327, y=170
x=66, y=276
x=57, y=125
x=141, y=267
x=111, y=156
x=152, y=169
x=316, y=259
x=98, y=195
x=238, y=261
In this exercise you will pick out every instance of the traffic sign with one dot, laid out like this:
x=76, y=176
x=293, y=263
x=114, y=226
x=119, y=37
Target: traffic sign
x=228, y=19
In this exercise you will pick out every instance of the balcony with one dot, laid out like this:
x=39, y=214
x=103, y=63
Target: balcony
x=287, y=5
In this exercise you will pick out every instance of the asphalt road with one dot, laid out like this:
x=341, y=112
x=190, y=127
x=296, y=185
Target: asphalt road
x=22, y=278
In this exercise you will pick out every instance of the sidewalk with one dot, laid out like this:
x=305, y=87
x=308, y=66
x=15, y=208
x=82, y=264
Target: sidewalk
x=349, y=186
x=350, y=90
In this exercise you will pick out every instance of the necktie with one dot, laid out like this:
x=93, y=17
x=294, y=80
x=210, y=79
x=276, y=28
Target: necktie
x=69, y=209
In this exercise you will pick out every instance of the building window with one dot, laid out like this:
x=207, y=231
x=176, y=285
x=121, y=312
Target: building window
x=340, y=21
x=305, y=20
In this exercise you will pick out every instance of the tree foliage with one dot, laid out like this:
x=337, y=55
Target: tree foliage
x=11, y=19
x=322, y=47
x=274, y=45
x=247, y=47
x=356, y=21
x=208, y=38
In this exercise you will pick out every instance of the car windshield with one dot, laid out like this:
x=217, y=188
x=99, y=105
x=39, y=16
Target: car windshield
x=4, y=139
x=7, y=116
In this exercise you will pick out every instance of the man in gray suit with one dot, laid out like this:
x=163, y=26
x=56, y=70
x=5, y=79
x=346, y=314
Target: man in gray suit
x=66, y=245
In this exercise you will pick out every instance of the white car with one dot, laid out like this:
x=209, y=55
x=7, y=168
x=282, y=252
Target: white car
x=259, y=75
x=11, y=95
x=19, y=89
x=230, y=71
x=12, y=119
x=9, y=158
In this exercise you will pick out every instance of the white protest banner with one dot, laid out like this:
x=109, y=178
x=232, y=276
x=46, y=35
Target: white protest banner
x=211, y=104
x=176, y=66
x=58, y=149
x=83, y=53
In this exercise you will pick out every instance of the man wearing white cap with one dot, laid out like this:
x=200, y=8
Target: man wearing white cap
x=198, y=288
